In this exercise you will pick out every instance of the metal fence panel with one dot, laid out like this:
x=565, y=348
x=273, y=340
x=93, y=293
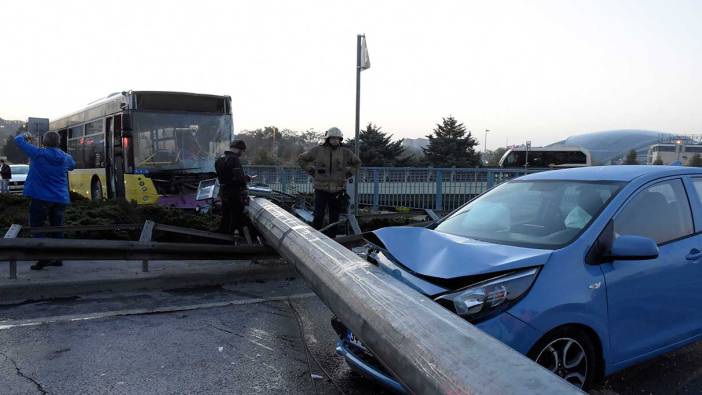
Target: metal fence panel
x=441, y=189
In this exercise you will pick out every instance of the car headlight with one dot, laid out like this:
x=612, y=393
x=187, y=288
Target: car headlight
x=478, y=300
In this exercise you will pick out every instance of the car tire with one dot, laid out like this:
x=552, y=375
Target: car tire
x=569, y=352
x=96, y=191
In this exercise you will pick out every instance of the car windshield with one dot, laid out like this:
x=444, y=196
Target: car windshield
x=539, y=214
x=179, y=141
x=19, y=169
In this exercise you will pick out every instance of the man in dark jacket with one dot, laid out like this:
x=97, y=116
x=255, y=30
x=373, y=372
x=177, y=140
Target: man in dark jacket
x=330, y=164
x=5, y=177
x=232, y=188
x=46, y=184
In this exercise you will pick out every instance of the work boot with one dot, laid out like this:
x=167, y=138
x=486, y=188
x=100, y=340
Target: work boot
x=39, y=265
x=55, y=263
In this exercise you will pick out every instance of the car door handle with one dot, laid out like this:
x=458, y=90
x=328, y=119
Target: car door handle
x=694, y=255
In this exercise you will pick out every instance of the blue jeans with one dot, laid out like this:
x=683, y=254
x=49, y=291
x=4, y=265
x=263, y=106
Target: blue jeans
x=4, y=186
x=41, y=210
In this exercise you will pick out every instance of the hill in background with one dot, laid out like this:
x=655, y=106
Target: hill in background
x=414, y=146
x=9, y=128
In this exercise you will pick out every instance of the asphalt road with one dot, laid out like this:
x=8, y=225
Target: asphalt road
x=267, y=337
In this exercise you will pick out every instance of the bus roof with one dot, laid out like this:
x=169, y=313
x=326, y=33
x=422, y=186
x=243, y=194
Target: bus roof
x=114, y=103
x=547, y=149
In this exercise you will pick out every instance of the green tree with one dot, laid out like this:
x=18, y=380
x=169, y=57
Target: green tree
x=264, y=157
x=412, y=159
x=631, y=158
x=311, y=136
x=658, y=161
x=12, y=151
x=450, y=146
x=695, y=160
x=270, y=145
x=376, y=148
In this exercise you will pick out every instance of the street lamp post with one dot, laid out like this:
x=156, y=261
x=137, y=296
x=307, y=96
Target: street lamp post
x=485, y=145
x=362, y=63
x=526, y=157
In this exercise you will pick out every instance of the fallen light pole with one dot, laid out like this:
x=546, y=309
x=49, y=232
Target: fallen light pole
x=426, y=347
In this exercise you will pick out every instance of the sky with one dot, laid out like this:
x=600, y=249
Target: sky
x=525, y=70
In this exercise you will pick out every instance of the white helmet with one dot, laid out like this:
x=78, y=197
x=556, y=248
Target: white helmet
x=333, y=132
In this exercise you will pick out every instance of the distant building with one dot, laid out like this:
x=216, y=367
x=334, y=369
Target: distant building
x=675, y=149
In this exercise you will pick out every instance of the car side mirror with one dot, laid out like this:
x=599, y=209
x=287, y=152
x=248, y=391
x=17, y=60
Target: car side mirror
x=633, y=248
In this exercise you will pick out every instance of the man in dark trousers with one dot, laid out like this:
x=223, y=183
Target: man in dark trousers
x=330, y=164
x=232, y=188
x=46, y=184
x=5, y=176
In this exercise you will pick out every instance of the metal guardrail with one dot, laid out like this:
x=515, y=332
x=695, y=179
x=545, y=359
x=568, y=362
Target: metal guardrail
x=13, y=249
x=439, y=189
x=79, y=228
x=426, y=347
x=74, y=249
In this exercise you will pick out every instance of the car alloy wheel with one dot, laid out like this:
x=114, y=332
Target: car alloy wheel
x=567, y=358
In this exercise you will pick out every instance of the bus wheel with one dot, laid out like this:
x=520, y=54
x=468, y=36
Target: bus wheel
x=96, y=190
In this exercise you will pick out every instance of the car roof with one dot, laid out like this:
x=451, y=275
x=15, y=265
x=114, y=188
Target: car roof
x=612, y=173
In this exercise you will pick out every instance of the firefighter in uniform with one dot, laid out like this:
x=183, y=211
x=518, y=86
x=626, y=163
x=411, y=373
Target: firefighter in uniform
x=232, y=188
x=330, y=164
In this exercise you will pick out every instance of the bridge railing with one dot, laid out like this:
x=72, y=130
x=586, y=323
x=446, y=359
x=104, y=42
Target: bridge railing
x=440, y=189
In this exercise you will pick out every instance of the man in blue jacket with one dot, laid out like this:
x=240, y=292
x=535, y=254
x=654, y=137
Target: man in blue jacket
x=46, y=184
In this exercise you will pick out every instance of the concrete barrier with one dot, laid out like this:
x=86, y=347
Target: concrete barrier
x=426, y=347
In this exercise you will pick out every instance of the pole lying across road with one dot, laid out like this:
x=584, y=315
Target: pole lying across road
x=426, y=347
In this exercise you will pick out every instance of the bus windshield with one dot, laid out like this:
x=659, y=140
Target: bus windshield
x=189, y=142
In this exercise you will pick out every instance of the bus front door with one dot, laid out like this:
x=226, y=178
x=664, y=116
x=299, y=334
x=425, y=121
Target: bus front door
x=109, y=155
x=116, y=158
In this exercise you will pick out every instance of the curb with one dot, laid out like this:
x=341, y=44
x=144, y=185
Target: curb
x=17, y=293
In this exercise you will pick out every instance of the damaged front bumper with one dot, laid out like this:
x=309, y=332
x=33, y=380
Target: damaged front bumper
x=360, y=359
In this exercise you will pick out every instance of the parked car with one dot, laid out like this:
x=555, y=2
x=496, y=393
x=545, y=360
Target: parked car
x=19, y=175
x=586, y=271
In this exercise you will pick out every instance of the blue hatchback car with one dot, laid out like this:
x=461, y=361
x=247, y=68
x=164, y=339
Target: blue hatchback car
x=586, y=271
